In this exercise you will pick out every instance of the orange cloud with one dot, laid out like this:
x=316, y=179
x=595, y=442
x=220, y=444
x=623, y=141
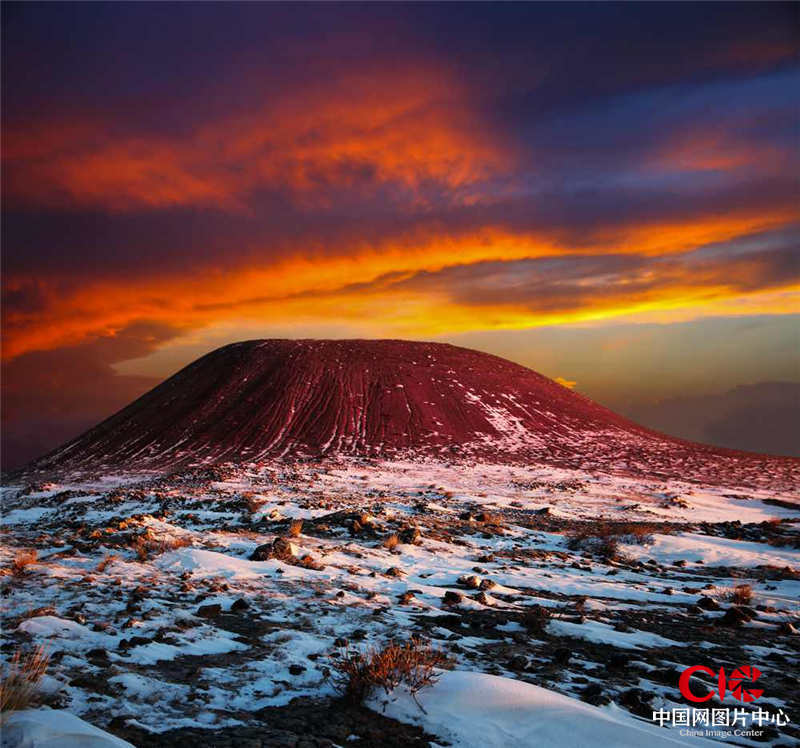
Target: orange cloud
x=381, y=287
x=405, y=126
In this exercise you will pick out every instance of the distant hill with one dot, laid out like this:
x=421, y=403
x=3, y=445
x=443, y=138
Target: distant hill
x=265, y=399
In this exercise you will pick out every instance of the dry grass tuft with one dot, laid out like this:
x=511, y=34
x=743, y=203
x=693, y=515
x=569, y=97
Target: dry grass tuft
x=603, y=538
x=19, y=686
x=390, y=542
x=295, y=528
x=22, y=561
x=411, y=664
x=101, y=567
x=146, y=546
x=742, y=594
x=252, y=502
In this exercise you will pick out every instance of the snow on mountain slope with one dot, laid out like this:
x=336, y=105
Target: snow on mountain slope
x=262, y=399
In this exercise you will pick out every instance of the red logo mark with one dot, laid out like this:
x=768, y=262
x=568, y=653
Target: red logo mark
x=724, y=684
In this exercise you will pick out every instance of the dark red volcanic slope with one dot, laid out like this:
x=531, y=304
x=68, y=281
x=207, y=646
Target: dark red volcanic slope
x=379, y=398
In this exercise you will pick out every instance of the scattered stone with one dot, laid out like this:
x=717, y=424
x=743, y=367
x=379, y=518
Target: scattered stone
x=470, y=581
x=618, y=662
x=262, y=553
x=410, y=536
x=593, y=694
x=637, y=701
x=708, y=603
x=209, y=611
x=734, y=616
x=281, y=548
x=786, y=628
x=561, y=655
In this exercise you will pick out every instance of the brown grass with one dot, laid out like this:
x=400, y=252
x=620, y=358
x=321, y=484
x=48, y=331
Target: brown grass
x=411, y=664
x=490, y=518
x=101, y=567
x=19, y=686
x=295, y=528
x=252, y=502
x=742, y=594
x=390, y=542
x=22, y=561
x=147, y=546
x=603, y=538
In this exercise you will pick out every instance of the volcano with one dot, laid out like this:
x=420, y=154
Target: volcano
x=266, y=399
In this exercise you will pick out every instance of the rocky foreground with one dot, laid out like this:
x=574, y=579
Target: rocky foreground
x=208, y=607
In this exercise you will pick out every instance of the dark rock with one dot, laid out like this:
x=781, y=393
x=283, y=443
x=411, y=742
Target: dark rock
x=262, y=553
x=282, y=549
x=593, y=694
x=561, y=655
x=618, y=662
x=734, y=616
x=209, y=611
x=637, y=701
x=410, y=536
x=87, y=682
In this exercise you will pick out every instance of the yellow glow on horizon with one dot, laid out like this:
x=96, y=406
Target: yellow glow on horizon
x=360, y=284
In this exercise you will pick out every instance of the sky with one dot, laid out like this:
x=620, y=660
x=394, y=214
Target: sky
x=607, y=193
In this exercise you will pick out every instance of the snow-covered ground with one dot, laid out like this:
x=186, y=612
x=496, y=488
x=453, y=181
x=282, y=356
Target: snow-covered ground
x=54, y=728
x=144, y=591
x=470, y=709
